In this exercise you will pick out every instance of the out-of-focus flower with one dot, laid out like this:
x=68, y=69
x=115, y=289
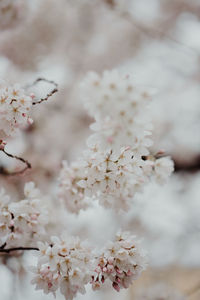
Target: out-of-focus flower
x=11, y=12
x=116, y=164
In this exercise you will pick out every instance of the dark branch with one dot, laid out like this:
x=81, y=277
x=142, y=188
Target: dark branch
x=193, y=166
x=5, y=172
x=53, y=91
x=8, y=250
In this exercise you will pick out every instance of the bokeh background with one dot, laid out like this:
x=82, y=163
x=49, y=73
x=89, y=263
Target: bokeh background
x=158, y=43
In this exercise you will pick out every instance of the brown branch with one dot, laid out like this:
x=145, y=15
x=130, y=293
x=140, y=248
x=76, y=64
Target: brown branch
x=8, y=250
x=4, y=172
x=51, y=93
x=189, y=167
x=194, y=290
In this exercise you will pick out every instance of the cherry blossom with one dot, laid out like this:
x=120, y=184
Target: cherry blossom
x=66, y=265
x=117, y=163
x=121, y=262
x=15, y=107
x=23, y=222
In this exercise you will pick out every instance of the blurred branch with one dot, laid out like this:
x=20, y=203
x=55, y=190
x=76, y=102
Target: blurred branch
x=110, y=2
x=194, y=290
x=194, y=166
x=147, y=30
x=153, y=32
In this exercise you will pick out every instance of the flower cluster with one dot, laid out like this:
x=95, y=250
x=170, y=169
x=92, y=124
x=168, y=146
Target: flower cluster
x=120, y=112
x=122, y=262
x=70, y=265
x=63, y=265
x=70, y=190
x=117, y=163
x=114, y=177
x=22, y=223
x=15, y=106
x=163, y=168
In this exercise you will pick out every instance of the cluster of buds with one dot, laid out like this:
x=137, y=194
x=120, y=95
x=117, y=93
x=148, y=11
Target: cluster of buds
x=66, y=264
x=23, y=222
x=117, y=163
x=121, y=262
x=69, y=265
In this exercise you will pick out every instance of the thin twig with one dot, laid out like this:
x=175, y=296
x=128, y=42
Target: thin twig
x=53, y=91
x=4, y=172
x=8, y=250
x=153, y=32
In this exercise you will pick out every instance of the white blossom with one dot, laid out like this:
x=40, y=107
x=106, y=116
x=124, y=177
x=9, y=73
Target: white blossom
x=69, y=190
x=121, y=262
x=66, y=264
x=22, y=223
x=117, y=163
x=15, y=106
x=163, y=168
x=119, y=108
x=69, y=265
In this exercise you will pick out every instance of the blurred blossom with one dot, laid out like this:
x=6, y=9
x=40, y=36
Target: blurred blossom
x=126, y=115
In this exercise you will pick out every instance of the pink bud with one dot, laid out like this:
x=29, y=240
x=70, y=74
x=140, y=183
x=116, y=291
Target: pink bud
x=116, y=286
x=33, y=217
x=105, y=269
x=129, y=273
x=50, y=285
x=127, y=148
x=30, y=121
x=110, y=139
x=11, y=223
x=32, y=96
x=118, y=280
x=160, y=152
x=119, y=271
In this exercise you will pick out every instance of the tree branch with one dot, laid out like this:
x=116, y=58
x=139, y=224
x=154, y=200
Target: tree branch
x=194, y=290
x=53, y=91
x=4, y=172
x=8, y=250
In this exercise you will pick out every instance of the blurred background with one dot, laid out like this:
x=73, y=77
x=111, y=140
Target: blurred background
x=158, y=43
